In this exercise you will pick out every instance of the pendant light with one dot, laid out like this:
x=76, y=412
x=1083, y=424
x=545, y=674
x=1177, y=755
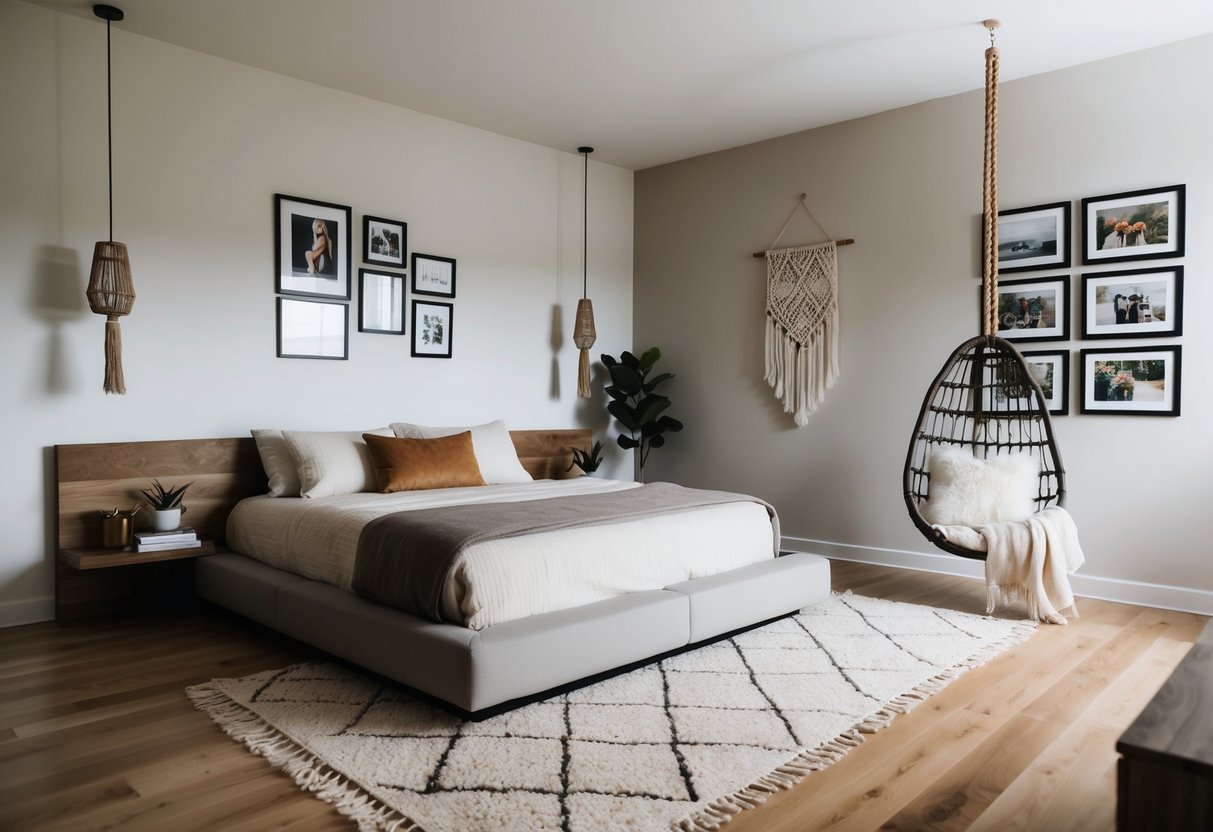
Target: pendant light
x=584, y=333
x=110, y=290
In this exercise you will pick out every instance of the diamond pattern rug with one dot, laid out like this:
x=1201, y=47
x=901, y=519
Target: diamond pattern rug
x=685, y=743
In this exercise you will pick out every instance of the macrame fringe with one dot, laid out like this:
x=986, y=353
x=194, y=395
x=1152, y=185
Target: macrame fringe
x=722, y=810
x=801, y=373
x=1006, y=595
x=311, y=773
x=583, y=374
x=114, y=380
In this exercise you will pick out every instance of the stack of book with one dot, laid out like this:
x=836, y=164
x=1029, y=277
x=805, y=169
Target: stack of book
x=183, y=538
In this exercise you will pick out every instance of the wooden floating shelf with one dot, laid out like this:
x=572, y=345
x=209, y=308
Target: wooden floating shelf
x=846, y=242
x=98, y=558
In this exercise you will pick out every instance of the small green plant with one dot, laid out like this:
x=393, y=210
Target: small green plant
x=163, y=499
x=637, y=405
x=589, y=461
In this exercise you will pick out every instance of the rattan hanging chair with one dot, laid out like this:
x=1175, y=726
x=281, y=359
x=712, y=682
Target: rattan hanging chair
x=985, y=398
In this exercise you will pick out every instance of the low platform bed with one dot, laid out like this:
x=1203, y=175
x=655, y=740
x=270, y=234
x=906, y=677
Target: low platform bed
x=475, y=673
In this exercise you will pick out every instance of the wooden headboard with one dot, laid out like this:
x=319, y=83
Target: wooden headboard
x=223, y=472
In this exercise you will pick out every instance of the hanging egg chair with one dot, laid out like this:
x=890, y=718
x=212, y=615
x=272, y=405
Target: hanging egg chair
x=985, y=399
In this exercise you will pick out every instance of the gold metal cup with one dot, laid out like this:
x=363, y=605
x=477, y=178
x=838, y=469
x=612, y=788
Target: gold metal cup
x=117, y=531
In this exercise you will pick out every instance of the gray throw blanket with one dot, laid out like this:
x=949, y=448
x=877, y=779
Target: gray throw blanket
x=404, y=558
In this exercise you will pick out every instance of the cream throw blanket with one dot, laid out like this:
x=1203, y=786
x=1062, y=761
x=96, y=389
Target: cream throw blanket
x=1027, y=561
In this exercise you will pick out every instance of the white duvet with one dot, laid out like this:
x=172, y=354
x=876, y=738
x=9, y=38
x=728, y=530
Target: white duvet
x=502, y=580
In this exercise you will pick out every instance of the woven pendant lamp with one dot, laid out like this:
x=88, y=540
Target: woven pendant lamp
x=584, y=334
x=110, y=290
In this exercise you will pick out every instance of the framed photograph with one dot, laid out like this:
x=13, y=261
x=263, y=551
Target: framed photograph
x=313, y=253
x=313, y=329
x=1051, y=369
x=1145, y=303
x=1135, y=225
x=384, y=242
x=380, y=302
x=1034, y=238
x=1036, y=309
x=433, y=275
x=432, y=329
x=1131, y=381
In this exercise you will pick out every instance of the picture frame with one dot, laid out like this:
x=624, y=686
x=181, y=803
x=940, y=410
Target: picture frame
x=433, y=275
x=312, y=254
x=1140, y=303
x=1132, y=381
x=1037, y=237
x=1051, y=369
x=313, y=329
x=1033, y=309
x=384, y=241
x=380, y=302
x=1134, y=225
x=432, y=328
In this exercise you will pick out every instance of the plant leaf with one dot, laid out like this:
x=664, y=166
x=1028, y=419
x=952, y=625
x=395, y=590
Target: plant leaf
x=657, y=441
x=625, y=414
x=627, y=443
x=629, y=360
x=608, y=361
x=651, y=384
x=627, y=380
x=650, y=357
x=670, y=423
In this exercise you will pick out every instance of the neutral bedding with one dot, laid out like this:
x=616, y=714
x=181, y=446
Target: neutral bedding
x=501, y=580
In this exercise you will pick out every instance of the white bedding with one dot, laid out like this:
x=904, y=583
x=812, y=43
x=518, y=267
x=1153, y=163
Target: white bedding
x=502, y=580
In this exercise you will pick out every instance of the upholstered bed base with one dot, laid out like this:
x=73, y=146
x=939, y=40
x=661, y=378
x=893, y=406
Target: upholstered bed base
x=479, y=673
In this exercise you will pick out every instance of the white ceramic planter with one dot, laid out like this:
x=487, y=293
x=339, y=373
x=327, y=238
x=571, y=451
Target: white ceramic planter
x=166, y=520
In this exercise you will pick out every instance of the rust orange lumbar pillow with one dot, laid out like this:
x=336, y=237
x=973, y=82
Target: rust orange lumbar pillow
x=416, y=464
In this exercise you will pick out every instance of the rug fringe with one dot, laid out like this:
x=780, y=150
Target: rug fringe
x=723, y=809
x=309, y=771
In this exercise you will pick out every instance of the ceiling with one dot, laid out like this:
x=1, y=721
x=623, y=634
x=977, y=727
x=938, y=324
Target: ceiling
x=653, y=81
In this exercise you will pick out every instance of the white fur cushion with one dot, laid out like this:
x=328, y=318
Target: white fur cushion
x=495, y=452
x=967, y=491
x=278, y=463
x=332, y=462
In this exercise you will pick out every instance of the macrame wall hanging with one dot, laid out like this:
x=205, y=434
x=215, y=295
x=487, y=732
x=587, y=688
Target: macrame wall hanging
x=802, y=320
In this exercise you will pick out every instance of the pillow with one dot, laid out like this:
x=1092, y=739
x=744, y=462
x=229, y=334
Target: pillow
x=495, y=451
x=332, y=462
x=416, y=464
x=967, y=491
x=278, y=463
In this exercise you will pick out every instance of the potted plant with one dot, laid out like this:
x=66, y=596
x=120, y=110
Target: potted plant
x=637, y=405
x=165, y=504
x=588, y=462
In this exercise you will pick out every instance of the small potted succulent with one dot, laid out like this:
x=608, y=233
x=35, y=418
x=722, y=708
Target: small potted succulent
x=588, y=462
x=165, y=504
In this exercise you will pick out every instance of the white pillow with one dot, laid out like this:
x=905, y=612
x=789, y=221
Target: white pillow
x=332, y=462
x=278, y=463
x=967, y=491
x=494, y=449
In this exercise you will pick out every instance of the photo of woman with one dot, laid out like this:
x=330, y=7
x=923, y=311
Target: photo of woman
x=320, y=255
x=313, y=247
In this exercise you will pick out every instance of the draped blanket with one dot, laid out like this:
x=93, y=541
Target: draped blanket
x=403, y=558
x=802, y=326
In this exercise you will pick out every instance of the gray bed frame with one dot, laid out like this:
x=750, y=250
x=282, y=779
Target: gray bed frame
x=475, y=673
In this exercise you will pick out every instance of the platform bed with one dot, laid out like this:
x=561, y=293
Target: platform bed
x=475, y=673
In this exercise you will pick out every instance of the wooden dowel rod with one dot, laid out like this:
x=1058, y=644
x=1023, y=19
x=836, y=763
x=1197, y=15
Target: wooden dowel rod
x=847, y=242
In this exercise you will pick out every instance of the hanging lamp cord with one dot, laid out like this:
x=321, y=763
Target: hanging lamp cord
x=585, y=222
x=989, y=195
x=109, y=124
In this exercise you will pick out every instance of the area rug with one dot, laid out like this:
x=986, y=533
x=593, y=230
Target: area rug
x=684, y=744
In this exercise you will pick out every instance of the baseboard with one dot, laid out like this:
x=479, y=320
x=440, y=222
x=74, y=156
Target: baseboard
x=1142, y=594
x=29, y=611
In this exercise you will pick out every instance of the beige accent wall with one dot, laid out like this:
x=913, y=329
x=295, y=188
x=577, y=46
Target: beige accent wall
x=906, y=185
x=201, y=145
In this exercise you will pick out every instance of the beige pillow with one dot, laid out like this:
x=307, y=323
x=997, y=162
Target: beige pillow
x=278, y=463
x=967, y=491
x=416, y=464
x=495, y=453
x=332, y=462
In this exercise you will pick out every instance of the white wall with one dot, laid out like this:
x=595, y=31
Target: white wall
x=201, y=145
x=906, y=185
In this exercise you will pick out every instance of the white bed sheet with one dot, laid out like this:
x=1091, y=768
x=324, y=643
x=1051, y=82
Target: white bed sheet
x=501, y=580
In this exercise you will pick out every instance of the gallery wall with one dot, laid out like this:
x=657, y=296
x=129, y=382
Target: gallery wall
x=201, y=145
x=906, y=185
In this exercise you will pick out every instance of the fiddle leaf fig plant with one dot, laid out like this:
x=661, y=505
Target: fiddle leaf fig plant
x=637, y=405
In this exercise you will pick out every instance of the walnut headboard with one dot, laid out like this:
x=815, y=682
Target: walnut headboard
x=223, y=472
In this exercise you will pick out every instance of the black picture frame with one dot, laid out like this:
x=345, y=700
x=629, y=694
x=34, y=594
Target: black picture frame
x=1133, y=309
x=1025, y=324
x=1034, y=238
x=1103, y=395
x=1058, y=397
x=384, y=242
x=296, y=313
x=433, y=275
x=425, y=329
x=1151, y=214
x=376, y=313
x=296, y=242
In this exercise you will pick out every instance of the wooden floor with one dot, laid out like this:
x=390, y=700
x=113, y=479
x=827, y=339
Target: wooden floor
x=95, y=732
